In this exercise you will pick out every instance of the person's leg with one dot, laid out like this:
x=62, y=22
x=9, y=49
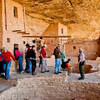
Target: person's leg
x=4, y=67
x=30, y=66
x=69, y=71
x=40, y=61
x=7, y=70
x=26, y=69
x=59, y=65
x=43, y=64
x=56, y=65
x=81, y=69
x=20, y=64
x=33, y=65
x=62, y=65
x=16, y=66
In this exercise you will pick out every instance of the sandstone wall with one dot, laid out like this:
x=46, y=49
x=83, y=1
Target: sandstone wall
x=52, y=88
x=82, y=17
x=11, y=23
x=62, y=31
x=57, y=29
x=91, y=49
x=35, y=26
x=0, y=23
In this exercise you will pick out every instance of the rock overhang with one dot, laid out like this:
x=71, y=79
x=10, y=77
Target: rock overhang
x=64, y=11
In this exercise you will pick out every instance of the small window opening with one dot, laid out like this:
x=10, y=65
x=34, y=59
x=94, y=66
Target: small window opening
x=15, y=12
x=23, y=42
x=8, y=40
x=33, y=41
x=74, y=47
x=62, y=31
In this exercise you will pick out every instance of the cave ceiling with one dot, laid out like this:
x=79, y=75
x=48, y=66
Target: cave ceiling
x=64, y=11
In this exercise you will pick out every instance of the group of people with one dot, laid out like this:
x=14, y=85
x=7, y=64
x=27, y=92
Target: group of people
x=30, y=58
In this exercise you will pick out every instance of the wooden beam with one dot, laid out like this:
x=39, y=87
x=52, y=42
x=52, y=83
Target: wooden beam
x=16, y=31
x=5, y=11
x=20, y=31
x=23, y=32
x=47, y=36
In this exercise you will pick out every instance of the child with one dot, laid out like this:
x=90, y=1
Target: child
x=67, y=66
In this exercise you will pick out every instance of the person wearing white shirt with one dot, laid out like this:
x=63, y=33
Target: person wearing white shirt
x=81, y=60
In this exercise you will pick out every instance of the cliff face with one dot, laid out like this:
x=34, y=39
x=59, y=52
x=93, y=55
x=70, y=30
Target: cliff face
x=82, y=17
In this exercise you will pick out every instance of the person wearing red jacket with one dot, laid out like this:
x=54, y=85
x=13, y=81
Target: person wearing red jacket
x=6, y=56
x=44, y=67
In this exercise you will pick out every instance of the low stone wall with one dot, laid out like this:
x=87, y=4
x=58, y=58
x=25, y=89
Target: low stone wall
x=91, y=48
x=52, y=88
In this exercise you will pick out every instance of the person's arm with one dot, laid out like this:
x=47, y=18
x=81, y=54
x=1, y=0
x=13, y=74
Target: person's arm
x=1, y=57
x=41, y=53
x=54, y=52
x=12, y=56
x=68, y=65
x=63, y=54
x=16, y=54
x=35, y=54
x=79, y=59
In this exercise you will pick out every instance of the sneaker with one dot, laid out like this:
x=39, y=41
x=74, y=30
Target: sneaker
x=47, y=71
x=22, y=72
x=33, y=73
x=69, y=74
x=7, y=78
x=59, y=72
x=81, y=78
x=56, y=73
x=42, y=72
x=2, y=75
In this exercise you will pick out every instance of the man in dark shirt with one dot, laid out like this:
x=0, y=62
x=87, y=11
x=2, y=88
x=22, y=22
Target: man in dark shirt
x=57, y=54
x=32, y=56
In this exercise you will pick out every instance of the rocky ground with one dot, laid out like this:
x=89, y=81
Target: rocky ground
x=26, y=86
x=5, y=84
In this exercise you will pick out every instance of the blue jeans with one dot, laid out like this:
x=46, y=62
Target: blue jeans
x=29, y=65
x=6, y=67
x=58, y=65
x=20, y=58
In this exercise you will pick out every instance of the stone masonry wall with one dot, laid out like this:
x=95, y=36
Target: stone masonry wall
x=11, y=23
x=0, y=23
x=35, y=26
x=91, y=49
x=52, y=88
